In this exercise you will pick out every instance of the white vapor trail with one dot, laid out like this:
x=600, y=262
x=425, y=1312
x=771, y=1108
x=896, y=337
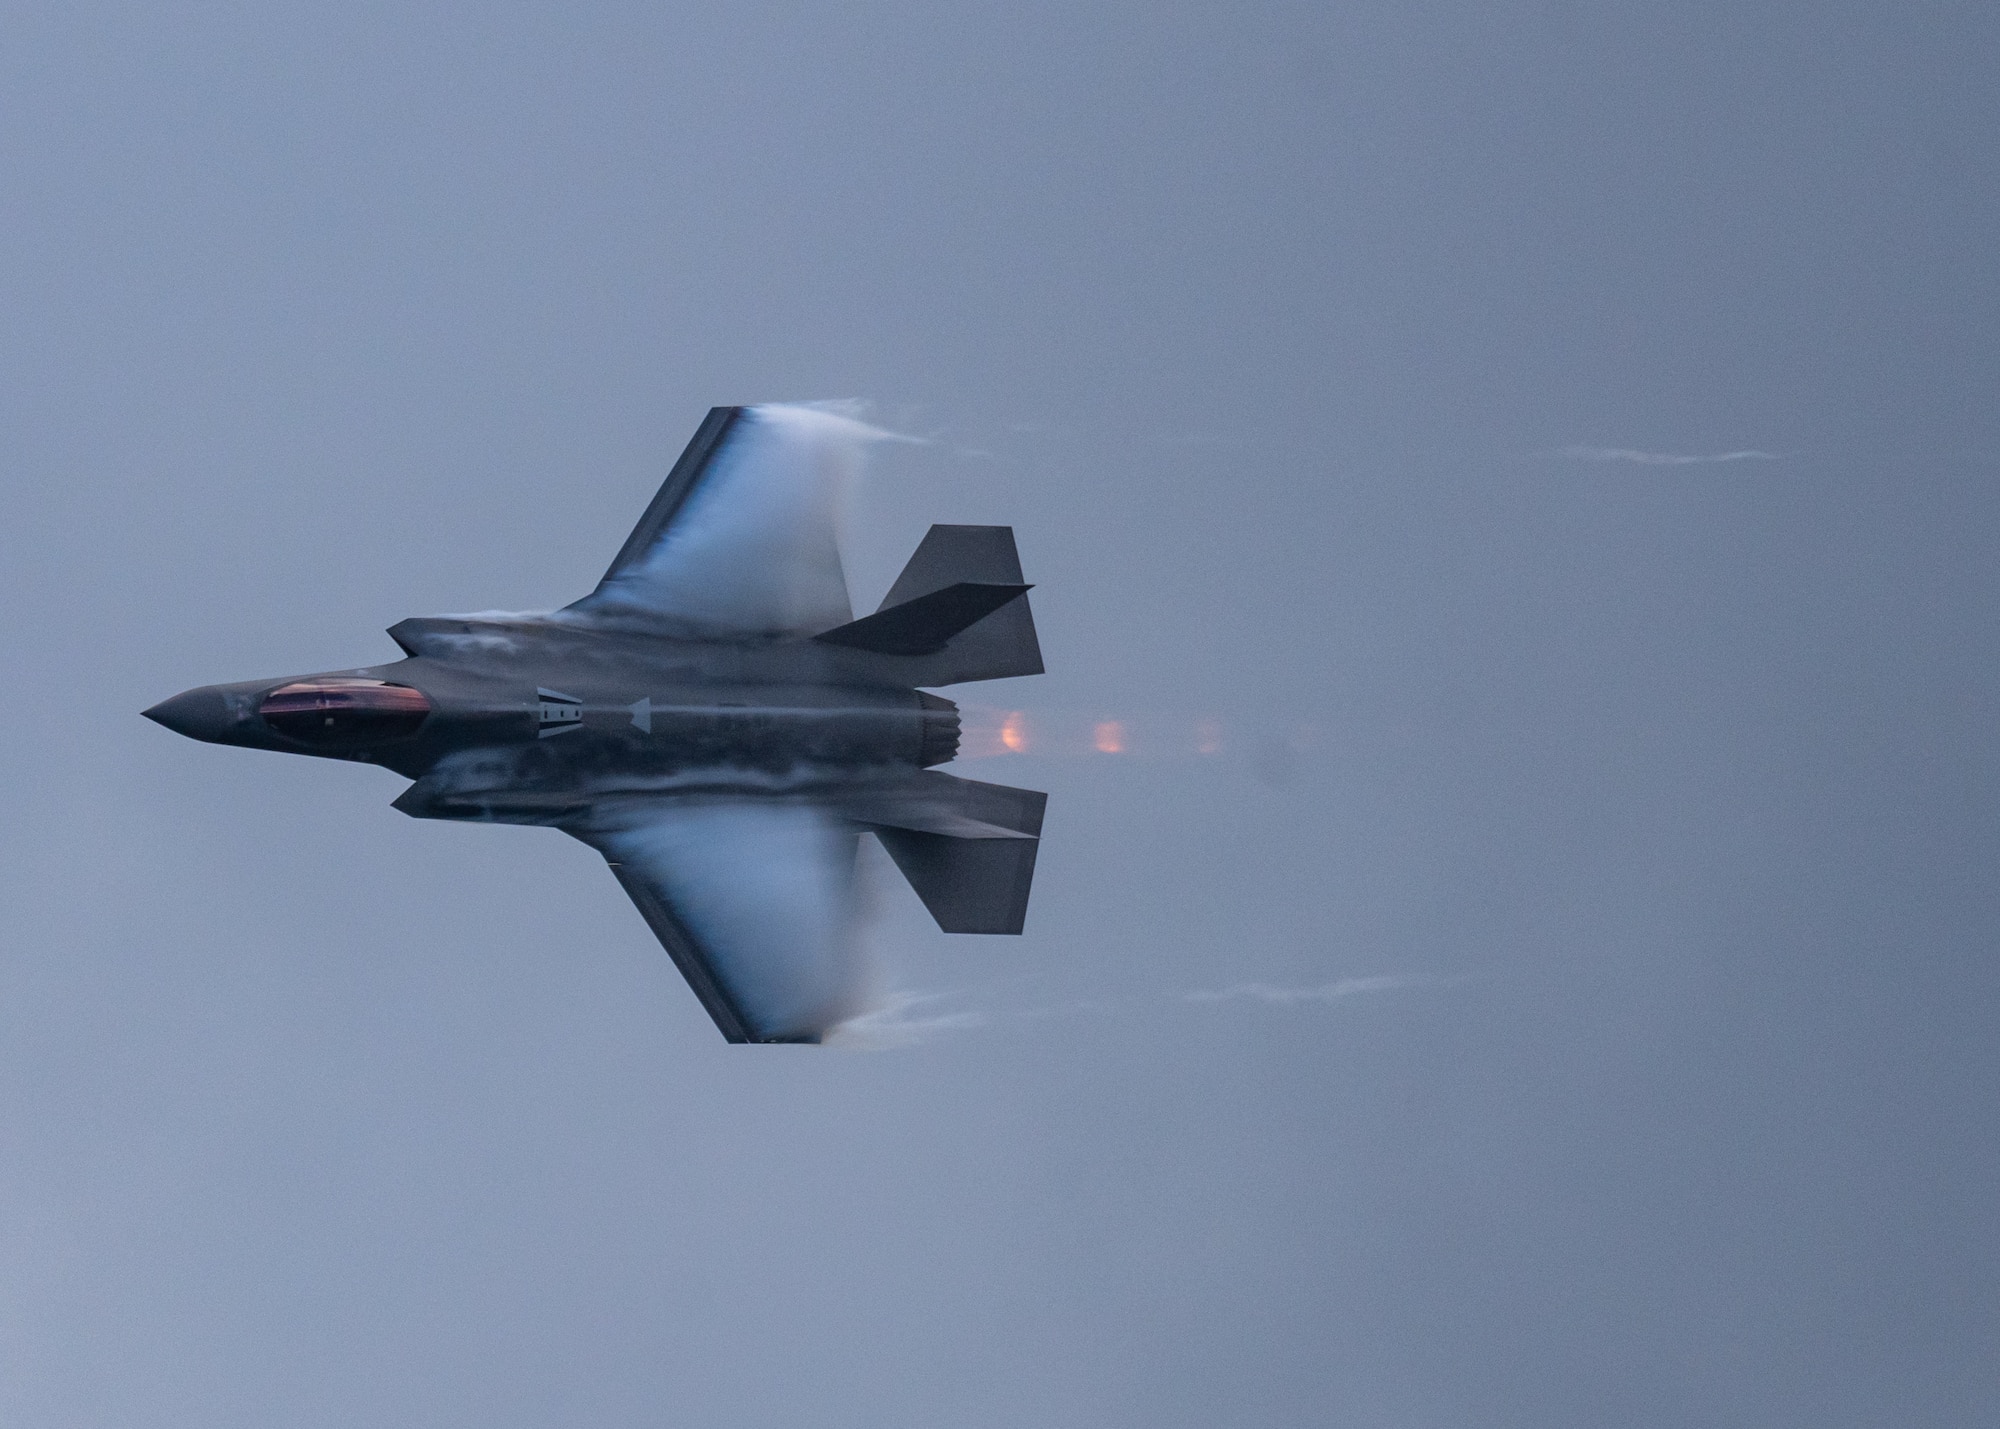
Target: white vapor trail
x=889, y=1025
x=1326, y=992
x=1632, y=454
x=896, y=1022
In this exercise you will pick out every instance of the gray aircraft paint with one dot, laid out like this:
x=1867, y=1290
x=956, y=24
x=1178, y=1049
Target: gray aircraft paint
x=730, y=729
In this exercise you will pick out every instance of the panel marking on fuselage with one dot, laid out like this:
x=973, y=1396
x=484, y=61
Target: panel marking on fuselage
x=559, y=713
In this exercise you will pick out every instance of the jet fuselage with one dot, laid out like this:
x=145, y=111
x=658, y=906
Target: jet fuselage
x=514, y=720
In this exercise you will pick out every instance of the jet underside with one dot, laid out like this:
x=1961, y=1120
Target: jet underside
x=714, y=721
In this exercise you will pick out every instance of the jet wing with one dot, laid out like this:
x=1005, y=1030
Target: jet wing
x=740, y=540
x=753, y=899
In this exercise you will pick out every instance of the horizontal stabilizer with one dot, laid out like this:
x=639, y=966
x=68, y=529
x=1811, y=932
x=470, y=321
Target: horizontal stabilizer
x=924, y=625
x=967, y=848
x=936, y=803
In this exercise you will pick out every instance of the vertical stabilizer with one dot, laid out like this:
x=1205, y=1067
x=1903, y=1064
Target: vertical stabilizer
x=995, y=647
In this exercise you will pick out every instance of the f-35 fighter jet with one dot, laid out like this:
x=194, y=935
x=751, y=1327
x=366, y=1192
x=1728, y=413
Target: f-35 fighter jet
x=714, y=721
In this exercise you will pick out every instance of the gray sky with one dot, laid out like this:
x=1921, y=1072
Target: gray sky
x=1635, y=817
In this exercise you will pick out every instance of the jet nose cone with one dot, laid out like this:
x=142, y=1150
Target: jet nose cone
x=198, y=714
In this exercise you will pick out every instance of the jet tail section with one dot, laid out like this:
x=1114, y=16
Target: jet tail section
x=967, y=848
x=937, y=602
x=926, y=625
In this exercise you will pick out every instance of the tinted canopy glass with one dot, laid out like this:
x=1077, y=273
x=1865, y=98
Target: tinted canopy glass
x=344, y=710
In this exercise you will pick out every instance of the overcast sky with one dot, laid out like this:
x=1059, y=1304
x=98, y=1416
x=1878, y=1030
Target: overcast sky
x=1545, y=451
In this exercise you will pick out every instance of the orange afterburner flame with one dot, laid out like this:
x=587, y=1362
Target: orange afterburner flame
x=991, y=732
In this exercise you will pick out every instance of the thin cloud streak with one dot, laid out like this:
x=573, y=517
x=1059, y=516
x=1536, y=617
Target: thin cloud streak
x=1326, y=992
x=1633, y=454
x=891, y=1025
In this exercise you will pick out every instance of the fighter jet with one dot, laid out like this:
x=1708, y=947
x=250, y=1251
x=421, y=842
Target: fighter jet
x=714, y=721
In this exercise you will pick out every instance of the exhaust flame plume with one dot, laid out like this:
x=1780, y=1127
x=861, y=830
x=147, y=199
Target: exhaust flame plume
x=988, y=733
